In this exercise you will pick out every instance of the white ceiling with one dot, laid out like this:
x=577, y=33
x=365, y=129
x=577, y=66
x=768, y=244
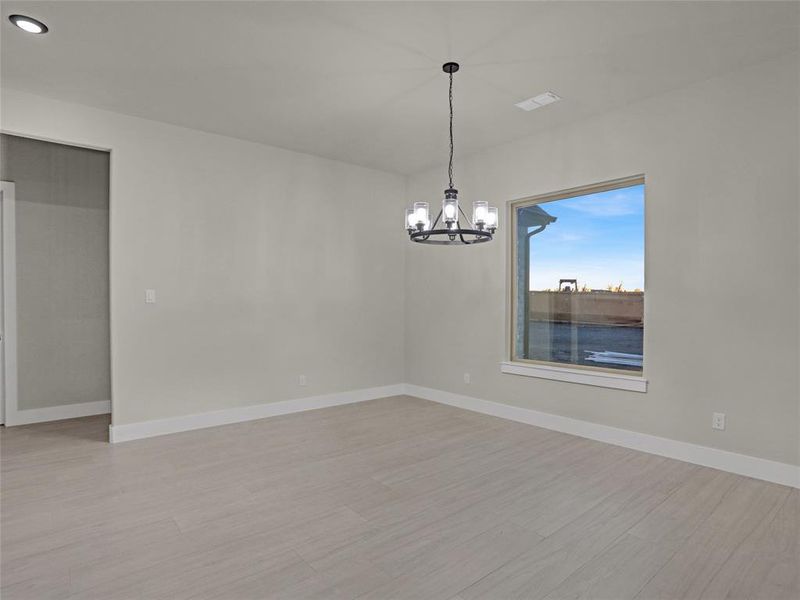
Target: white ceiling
x=362, y=82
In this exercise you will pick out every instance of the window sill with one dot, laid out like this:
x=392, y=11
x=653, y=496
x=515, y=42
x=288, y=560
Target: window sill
x=631, y=383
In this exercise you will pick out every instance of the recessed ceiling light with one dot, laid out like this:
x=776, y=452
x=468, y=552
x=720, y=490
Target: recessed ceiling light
x=538, y=101
x=28, y=24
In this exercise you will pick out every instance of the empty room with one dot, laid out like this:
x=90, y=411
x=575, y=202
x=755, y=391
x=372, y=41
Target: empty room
x=400, y=300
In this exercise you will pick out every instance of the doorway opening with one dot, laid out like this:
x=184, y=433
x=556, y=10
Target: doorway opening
x=55, y=341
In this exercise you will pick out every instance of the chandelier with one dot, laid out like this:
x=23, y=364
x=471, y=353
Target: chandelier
x=451, y=226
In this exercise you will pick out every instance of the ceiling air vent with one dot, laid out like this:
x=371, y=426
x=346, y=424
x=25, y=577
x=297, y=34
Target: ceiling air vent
x=538, y=101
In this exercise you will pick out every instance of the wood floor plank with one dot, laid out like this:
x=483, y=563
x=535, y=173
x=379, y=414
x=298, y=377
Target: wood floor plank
x=50, y=586
x=617, y=573
x=88, y=550
x=537, y=572
x=672, y=522
x=394, y=498
x=349, y=577
x=767, y=563
x=443, y=574
x=698, y=560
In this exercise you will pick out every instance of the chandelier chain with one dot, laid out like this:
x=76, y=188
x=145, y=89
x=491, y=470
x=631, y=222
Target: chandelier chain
x=450, y=165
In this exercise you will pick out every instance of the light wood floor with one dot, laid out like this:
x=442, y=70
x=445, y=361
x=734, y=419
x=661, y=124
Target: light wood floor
x=395, y=498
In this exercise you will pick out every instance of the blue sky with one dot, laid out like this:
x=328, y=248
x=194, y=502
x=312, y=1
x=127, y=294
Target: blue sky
x=598, y=239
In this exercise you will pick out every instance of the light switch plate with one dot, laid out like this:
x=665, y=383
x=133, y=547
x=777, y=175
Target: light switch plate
x=150, y=296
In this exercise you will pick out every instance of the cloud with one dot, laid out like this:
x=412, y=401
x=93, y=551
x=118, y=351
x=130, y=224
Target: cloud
x=606, y=205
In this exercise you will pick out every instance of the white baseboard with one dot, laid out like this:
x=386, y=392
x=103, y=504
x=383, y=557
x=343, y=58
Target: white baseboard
x=741, y=464
x=57, y=413
x=146, y=429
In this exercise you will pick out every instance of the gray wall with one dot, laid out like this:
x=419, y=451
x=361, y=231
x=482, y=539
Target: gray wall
x=721, y=300
x=62, y=271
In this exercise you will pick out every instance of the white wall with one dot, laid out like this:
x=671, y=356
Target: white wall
x=721, y=330
x=262, y=260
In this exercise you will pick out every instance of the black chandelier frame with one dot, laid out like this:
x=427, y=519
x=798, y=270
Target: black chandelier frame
x=453, y=236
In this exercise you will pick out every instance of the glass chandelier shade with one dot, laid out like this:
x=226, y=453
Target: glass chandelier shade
x=492, y=220
x=451, y=226
x=480, y=212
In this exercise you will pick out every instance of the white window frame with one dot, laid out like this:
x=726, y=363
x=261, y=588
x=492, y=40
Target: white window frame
x=580, y=374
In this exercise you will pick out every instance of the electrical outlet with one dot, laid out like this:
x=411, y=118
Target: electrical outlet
x=718, y=421
x=150, y=296
x=466, y=378
x=302, y=380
